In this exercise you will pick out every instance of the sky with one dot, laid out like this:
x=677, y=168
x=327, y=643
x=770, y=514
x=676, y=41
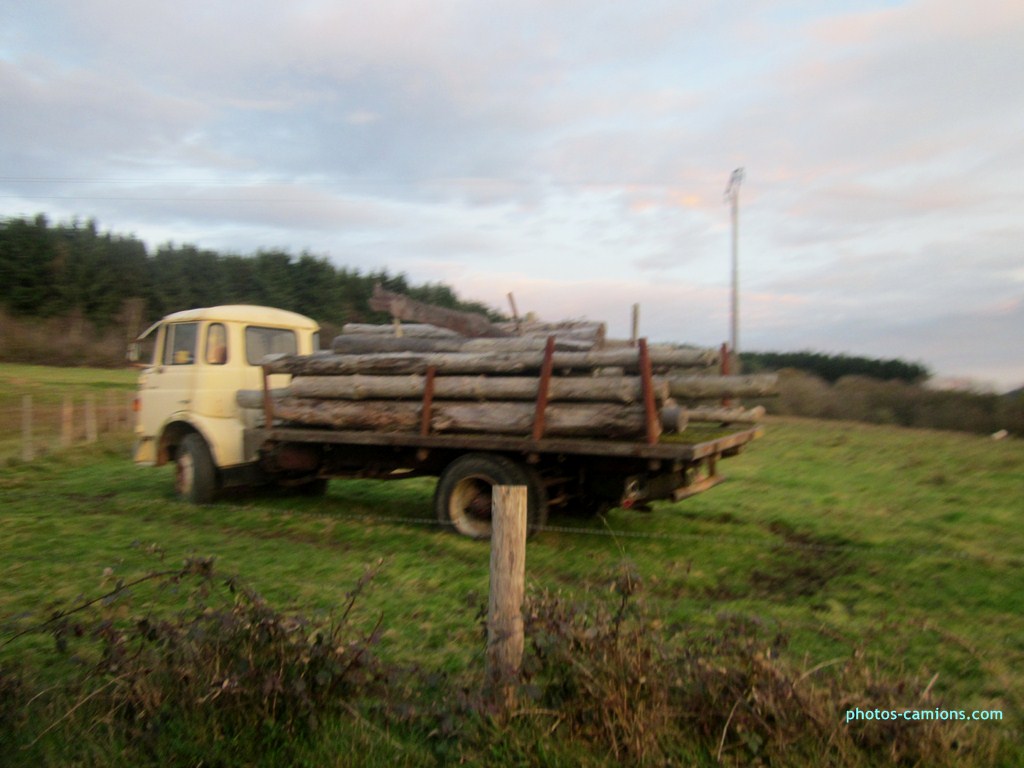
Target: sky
x=575, y=154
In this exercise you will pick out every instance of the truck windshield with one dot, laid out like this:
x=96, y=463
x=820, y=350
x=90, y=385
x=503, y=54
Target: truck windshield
x=260, y=342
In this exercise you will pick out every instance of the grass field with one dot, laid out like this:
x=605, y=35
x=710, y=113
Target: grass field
x=901, y=548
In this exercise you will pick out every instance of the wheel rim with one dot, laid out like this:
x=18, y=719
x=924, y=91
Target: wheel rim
x=184, y=475
x=469, y=506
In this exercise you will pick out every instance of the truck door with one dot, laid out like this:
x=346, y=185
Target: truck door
x=167, y=388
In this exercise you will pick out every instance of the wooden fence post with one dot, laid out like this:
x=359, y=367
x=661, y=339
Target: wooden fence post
x=90, y=419
x=67, y=433
x=28, y=448
x=110, y=413
x=505, y=603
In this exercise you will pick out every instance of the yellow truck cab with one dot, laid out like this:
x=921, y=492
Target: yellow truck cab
x=186, y=405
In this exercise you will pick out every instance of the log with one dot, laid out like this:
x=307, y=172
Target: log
x=361, y=344
x=726, y=415
x=587, y=327
x=370, y=344
x=583, y=388
x=578, y=330
x=409, y=330
x=402, y=307
x=716, y=387
x=506, y=418
x=448, y=363
x=380, y=416
x=398, y=363
x=253, y=398
x=575, y=330
x=611, y=388
x=525, y=344
x=674, y=418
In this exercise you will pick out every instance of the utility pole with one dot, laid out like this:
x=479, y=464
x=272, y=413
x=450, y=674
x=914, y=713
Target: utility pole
x=732, y=195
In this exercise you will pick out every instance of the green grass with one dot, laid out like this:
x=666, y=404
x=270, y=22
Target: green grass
x=903, y=546
x=52, y=383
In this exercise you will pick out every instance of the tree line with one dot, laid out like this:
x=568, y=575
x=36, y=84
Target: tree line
x=72, y=295
x=832, y=368
x=56, y=270
x=895, y=402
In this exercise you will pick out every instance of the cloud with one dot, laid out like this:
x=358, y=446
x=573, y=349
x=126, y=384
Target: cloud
x=980, y=344
x=362, y=117
x=65, y=122
x=575, y=152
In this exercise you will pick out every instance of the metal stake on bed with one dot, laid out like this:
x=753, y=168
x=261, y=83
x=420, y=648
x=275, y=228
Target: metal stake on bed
x=428, y=400
x=268, y=401
x=543, y=386
x=647, y=383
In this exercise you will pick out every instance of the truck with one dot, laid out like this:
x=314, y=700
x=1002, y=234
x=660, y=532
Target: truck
x=206, y=404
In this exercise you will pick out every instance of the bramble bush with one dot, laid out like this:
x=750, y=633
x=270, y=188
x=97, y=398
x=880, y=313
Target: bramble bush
x=226, y=679
x=227, y=675
x=610, y=675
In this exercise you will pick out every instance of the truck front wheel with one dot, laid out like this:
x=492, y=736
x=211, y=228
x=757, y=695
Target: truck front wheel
x=195, y=476
x=463, y=496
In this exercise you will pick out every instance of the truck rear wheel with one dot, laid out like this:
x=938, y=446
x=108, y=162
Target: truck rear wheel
x=463, y=496
x=195, y=476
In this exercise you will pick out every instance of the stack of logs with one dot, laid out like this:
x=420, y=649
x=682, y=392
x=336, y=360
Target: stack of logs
x=520, y=379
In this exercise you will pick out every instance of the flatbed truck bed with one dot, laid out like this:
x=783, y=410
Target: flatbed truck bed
x=584, y=475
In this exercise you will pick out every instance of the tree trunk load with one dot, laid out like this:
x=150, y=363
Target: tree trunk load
x=441, y=371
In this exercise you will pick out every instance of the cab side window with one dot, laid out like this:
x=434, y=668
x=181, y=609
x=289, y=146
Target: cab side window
x=216, y=344
x=260, y=342
x=180, y=343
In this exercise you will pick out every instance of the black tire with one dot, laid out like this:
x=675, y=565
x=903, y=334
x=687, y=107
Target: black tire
x=463, y=496
x=195, y=476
